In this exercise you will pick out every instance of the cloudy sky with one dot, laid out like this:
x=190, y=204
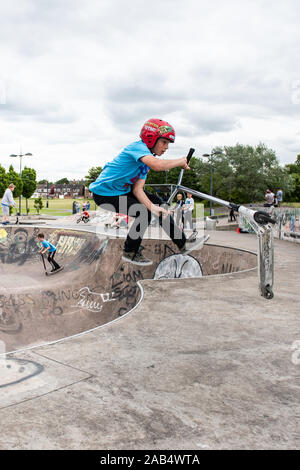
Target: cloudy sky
x=78, y=78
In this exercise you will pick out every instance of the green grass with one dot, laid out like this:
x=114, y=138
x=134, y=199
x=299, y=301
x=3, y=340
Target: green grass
x=63, y=207
x=290, y=204
x=56, y=207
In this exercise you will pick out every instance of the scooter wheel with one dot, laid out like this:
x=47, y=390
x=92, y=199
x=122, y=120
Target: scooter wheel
x=268, y=293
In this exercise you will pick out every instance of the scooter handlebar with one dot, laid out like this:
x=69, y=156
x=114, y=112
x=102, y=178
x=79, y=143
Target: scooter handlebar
x=189, y=155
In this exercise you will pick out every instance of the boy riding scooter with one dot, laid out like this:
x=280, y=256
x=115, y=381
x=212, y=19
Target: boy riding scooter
x=120, y=188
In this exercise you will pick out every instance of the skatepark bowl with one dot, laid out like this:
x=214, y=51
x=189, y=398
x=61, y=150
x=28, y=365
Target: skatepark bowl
x=95, y=286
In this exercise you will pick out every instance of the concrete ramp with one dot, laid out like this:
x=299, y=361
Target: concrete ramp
x=95, y=287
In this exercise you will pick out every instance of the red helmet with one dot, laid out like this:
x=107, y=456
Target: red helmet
x=153, y=129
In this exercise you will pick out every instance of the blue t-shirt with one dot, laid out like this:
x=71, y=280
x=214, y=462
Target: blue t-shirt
x=122, y=172
x=45, y=244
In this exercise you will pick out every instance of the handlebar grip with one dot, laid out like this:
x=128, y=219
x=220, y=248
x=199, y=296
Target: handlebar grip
x=189, y=155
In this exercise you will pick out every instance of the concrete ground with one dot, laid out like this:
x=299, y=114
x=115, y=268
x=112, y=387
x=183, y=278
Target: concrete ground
x=199, y=364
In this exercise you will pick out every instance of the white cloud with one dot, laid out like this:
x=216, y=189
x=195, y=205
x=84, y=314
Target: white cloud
x=80, y=78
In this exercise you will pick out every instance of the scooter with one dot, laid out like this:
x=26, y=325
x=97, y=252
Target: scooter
x=260, y=221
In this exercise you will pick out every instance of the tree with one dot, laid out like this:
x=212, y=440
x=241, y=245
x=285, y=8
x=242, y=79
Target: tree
x=198, y=177
x=254, y=169
x=38, y=204
x=294, y=172
x=191, y=178
x=279, y=177
x=4, y=180
x=294, y=168
x=93, y=174
x=62, y=181
x=29, y=184
x=45, y=182
x=171, y=176
x=223, y=176
x=295, y=195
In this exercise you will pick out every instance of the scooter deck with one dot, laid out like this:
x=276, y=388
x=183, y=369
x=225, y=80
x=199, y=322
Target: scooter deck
x=49, y=273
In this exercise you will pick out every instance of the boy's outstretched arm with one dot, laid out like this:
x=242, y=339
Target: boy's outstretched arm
x=43, y=250
x=157, y=164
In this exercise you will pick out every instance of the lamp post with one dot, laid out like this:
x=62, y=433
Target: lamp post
x=21, y=155
x=210, y=155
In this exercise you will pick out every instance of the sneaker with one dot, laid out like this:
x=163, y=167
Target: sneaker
x=193, y=244
x=136, y=258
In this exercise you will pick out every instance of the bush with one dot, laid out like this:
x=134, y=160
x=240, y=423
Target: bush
x=38, y=204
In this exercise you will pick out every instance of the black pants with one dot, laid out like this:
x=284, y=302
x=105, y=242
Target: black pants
x=232, y=216
x=129, y=205
x=51, y=260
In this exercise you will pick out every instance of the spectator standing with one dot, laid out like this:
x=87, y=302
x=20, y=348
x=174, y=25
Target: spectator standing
x=188, y=211
x=6, y=202
x=279, y=196
x=178, y=210
x=231, y=217
x=269, y=197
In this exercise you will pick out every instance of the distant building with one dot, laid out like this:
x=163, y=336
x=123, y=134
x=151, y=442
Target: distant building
x=71, y=190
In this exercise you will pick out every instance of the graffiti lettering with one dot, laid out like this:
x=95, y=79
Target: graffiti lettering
x=69, y=245
x=93, y=301
x=125, y=288
x=51, y=301
x=132, y=277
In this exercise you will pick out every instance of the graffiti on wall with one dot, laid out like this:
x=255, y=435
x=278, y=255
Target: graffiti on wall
x=93, y=301
x=14, y=371
x=178, y=266
x=125, y=288
x=18, y=246
x=68, y=244
x=18, y=309
x=287, y=222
